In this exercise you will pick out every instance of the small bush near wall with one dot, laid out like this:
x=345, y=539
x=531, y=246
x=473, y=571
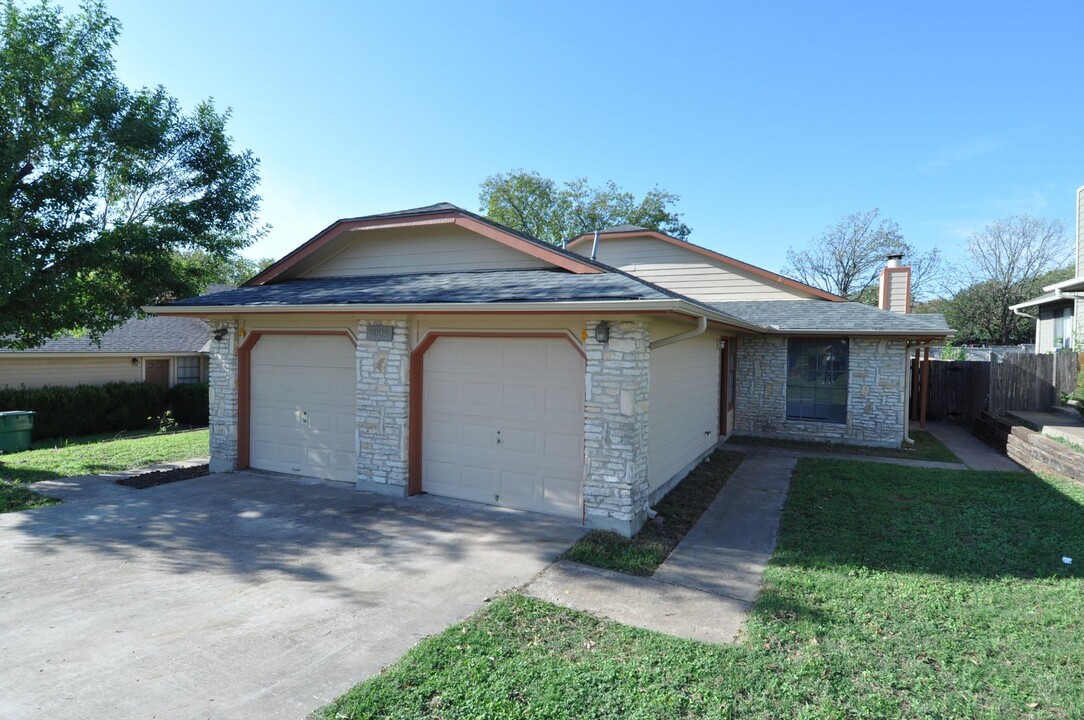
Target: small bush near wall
x=189, y=403
x=86, y=409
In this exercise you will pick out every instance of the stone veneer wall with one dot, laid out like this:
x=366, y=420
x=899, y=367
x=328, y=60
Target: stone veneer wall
x=615, y=487
x=875, y=393
x=222, y=397
x=383, y=409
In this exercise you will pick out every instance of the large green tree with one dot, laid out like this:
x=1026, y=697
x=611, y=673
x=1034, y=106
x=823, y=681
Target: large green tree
x=233, y=270
x=542, y=208
x=1009, y=261
x=102, y=185
x=847, y=258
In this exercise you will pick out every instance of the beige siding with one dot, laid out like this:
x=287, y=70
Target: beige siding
x=683, y=404
x=897, y=291
x=35, y=372
x=688, y=272
x=1080, y=231
x=440, y=248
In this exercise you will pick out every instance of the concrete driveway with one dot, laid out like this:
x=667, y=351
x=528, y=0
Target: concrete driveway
x=238, y=595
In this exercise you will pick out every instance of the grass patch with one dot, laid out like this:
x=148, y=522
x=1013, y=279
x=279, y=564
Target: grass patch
x=1066, y=442
x=926, y=447
x=680, y=509
x=95, y=455
x=894, y=592
x=14, y=496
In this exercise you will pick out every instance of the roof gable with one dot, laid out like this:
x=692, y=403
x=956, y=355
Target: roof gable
x=335, y=238
x=784, y=287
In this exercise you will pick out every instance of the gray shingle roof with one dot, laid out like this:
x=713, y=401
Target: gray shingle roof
x=822, y=316
x=494, y=286
x=165, y=335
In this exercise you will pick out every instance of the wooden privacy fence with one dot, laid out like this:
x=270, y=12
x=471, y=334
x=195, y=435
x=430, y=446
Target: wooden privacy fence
x=959, y=390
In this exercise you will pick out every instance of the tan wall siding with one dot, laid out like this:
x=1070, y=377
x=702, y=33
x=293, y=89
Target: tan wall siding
x=683, y=402
x=897, y=288
x=1080, y=231
x=686, y=271
x=35, y=372
x=426, y=249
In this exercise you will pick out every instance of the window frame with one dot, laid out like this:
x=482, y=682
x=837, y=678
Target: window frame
x=810, y=398
x=180, y=362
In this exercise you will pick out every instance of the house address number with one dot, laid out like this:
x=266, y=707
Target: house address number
x=379, y=333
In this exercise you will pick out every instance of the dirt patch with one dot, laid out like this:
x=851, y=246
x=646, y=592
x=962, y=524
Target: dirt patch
x=161, y=477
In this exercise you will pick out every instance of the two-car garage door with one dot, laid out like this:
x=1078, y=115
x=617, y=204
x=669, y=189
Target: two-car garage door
x=502, y=417
x=503, y=422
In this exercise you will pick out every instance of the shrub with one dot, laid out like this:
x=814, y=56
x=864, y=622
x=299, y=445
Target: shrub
x=86, y=409
x=190, y=403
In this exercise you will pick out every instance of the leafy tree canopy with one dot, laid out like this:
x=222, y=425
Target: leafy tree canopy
x=232, y=270
x=102, y=185
x=848, y=257
x=538, y=206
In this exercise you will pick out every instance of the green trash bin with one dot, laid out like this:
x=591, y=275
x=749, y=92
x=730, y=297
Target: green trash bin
x=15, y=427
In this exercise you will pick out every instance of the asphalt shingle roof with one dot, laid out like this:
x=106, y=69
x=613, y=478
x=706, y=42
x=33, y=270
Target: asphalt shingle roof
x=164, y=335
x=494, y=286
x=821, y=316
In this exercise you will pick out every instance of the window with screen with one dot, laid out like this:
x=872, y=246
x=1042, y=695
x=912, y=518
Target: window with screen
x=187, y=370
x=817, y=379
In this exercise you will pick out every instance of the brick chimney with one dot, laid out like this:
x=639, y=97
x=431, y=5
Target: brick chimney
x=895, y=295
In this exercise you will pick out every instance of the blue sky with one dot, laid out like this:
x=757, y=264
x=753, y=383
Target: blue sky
x=771, y=120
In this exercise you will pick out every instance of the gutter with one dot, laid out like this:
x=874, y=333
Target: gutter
x=701, y=326
x=565, y=307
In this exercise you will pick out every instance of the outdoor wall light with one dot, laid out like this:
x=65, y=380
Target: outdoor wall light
x=602, y=332
x=135, y=361
x=220, y=333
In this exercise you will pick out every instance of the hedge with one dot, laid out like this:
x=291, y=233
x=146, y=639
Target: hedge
x=86, y=409
x=189, y=403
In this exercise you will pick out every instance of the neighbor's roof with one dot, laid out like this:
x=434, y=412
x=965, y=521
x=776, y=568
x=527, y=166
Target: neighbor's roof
x=150, y=335
x=1047, y=299
x=812, y=316
x=485, y=286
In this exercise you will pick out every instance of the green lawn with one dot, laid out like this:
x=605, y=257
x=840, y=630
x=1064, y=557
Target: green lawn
x=894, y=592
x=678, y=511
x=926, y=447
x=95, y=455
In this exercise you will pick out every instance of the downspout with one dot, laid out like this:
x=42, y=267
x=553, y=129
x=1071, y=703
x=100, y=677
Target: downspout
x=701, y=326
x=907, y=395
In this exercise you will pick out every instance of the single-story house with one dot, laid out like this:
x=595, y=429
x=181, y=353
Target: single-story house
x=162, y=350
x=1057, y=310
x=432, y=350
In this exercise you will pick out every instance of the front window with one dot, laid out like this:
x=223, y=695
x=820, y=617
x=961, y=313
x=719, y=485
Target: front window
x=187, y=370
x=817, y=379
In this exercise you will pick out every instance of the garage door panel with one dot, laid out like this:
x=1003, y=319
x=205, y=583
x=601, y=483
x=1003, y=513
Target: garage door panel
x=525, y=388
x=303, y=416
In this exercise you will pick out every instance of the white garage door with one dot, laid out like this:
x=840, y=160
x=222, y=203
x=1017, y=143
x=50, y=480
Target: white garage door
x=303, y=415
x=503, y=423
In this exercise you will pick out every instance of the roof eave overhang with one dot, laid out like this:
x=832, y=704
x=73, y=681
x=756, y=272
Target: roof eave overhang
x=903, y=334
x=1072, y=283
x=1039, y=302
x=564, y=307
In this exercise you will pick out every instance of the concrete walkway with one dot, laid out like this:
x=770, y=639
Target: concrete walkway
x=707, y=586
x=976, y=454
x=704, y=590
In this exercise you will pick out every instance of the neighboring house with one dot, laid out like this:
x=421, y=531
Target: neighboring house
x=166, y=351
x=1056, y=312
x=432, y=350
